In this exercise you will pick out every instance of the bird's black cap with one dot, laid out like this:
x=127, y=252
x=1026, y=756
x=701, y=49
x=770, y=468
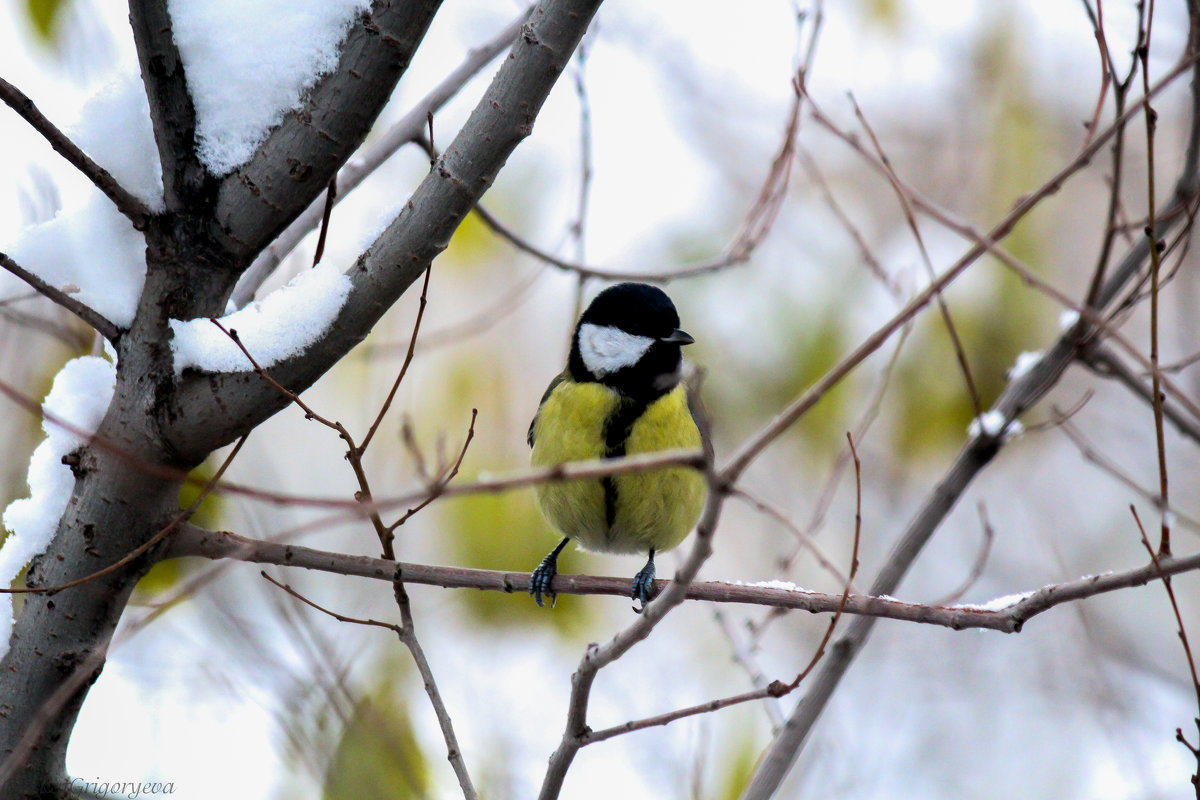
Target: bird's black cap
x=634, y=308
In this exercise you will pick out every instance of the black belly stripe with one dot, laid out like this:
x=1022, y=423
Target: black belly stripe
x=616, y=433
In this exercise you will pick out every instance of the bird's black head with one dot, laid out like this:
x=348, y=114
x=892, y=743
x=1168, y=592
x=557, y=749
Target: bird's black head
x=629, y=338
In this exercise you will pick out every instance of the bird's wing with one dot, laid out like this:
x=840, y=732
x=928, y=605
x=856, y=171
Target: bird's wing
x=559, y=378
x=699, y=412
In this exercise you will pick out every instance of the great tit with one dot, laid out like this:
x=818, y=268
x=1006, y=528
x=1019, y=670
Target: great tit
x=620, y=394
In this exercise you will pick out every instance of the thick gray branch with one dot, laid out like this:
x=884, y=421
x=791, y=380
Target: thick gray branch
x=171, y=110
x=408, y=129
x=219, y=408
x=293, y=166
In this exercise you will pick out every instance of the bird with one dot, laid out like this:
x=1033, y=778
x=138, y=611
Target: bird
x=621, y=393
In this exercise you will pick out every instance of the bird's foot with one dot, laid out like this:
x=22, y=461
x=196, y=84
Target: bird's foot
x=542, y=578
x=643, y=585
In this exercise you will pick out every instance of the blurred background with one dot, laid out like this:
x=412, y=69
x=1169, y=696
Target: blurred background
x=679, y=109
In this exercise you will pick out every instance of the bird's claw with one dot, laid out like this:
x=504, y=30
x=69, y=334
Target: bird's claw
x=643, y=586
x=542, y=578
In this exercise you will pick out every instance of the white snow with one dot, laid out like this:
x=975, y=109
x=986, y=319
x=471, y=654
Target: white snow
x=1068, y=318
x=79, y=398
x=115, y=130
x=997, y=604
x=277, y=327
x=993, y=423
x=774, y=584
x=1025, y=362
x=990, y=423
x=250, y=63
x=786, y=585
x=93, y=253
x=91, y=246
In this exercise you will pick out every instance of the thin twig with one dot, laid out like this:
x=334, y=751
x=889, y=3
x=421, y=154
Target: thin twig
x=330, y=198
x=804, y=539
x=408, y=357
x=977, y=567
x=579, y=228
x=743, y=656
x=442, y=481
x=1097, y=20
x=1183, y=640
x=900, y=190
x=363, y=497
x=755, y=227
x=1151, y=117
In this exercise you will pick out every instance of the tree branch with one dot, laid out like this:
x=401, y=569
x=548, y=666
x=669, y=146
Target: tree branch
x=501, y=120
x=172, y=112
x=1103, y=361
x=292, y=167
x=133, y=208
x=101, y=323
x=191, y=540
x=407, y=129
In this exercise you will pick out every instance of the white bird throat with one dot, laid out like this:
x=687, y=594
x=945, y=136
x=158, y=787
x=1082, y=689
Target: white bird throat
x=606, y=349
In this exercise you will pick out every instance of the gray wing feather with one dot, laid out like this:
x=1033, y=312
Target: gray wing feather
x=554, y=383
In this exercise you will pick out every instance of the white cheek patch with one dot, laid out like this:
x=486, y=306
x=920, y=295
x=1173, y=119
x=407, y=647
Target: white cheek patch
x=606, y=349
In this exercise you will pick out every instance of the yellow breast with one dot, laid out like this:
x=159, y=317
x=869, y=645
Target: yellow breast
x=654, y=509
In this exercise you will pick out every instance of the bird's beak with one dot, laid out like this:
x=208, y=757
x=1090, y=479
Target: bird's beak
x=678, y=337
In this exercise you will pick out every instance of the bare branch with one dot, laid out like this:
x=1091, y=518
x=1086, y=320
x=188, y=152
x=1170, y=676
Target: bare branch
x=1105, y=362
x=899, y=188
x=190, y=540
x=408, y=357
x=755, y=227
x=98, y=321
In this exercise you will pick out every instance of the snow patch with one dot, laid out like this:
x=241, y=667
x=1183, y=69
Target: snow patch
x=1025, y=362
x=774, y=584
x=92, y=251
x=997, y=604
x=115, y=130
x=248, y=64
x=79, y=398
x=993, y=424
x=281, y=325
